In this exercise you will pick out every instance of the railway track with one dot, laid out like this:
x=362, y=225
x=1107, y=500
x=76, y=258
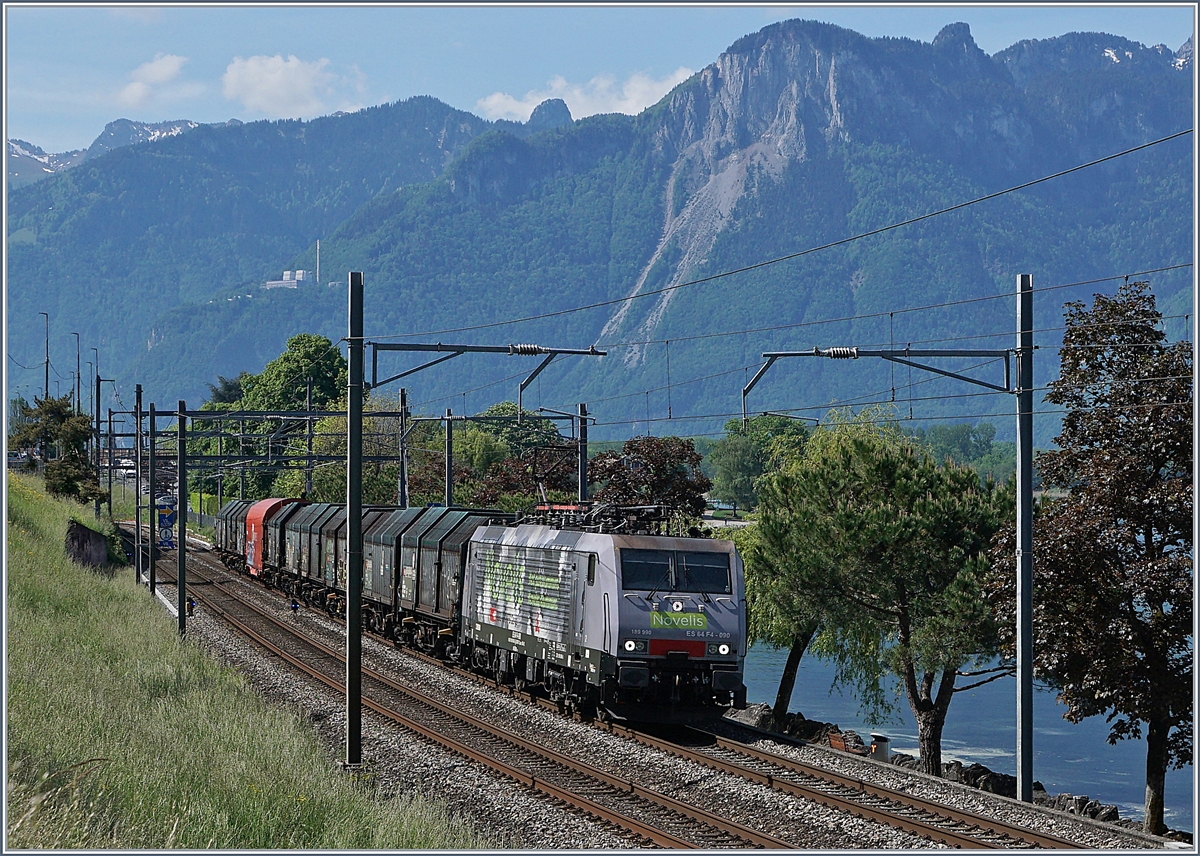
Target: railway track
x=940, y=823
x=930, y=820
x=622, y=801
x=642, y=812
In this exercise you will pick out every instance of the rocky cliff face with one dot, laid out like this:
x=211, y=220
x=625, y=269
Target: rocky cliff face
x=792, y=90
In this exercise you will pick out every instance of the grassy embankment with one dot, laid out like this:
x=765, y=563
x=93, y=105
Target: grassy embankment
x=122, y=736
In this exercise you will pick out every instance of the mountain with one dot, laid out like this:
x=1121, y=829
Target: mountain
x=125, y=132
x=27, y=163
x=797, y=136
x=801, y=135
x=110, y=245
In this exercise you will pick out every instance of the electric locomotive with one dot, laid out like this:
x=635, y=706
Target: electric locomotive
x=634, y=626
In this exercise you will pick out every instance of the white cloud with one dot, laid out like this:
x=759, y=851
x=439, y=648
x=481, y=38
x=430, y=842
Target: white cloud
x=601, y=94
x=162, y=68
x=135, y=94
x=146, y=77
x=277, y=87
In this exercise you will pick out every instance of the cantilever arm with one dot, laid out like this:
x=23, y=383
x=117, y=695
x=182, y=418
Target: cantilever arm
x=529, y=380
x=754, y=380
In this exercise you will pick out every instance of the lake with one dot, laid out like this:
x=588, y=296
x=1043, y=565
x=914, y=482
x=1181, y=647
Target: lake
x=981, y=728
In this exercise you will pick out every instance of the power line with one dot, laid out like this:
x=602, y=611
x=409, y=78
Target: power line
x=22, y=365
x=801, y=253
x=909, y=342
x=859, y=401
x=867, y=316
x=476, y=389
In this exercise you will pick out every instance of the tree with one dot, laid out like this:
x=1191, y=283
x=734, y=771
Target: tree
x=888, y=548
x=54, y=421
x=17, y=408
x=283, y=383
x=227, y=390
x=651, y=471
x=777, y=612
x=746, y=452
x=1113, y=586
x=972, y=445
x=479, y=448
x=737, y=462
x=532, y=431
x=281, y=386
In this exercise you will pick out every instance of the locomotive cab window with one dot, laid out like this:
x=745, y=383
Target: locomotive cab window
x=675, y=570
x=646, y=570
x=702, y=572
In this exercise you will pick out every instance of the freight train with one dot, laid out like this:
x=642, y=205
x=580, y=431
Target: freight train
x=615, y=624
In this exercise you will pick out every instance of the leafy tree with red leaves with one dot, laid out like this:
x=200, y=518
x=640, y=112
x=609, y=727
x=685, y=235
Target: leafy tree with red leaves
x=1113, y=585
x=652, y=471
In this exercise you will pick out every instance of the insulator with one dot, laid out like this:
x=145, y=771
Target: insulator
x=843, y=353
x=526, y=350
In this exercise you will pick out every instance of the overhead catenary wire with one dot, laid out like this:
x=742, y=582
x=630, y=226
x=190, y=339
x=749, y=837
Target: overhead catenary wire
x=1006, y=334
x=942, y=418
x=22, y=365
x=872, y=399
x=866, y=398
x=1058, y=329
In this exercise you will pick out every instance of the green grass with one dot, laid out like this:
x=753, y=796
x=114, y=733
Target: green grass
x=120, y=735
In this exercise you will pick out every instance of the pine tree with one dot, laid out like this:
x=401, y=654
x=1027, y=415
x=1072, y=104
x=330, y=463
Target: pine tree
x=887, y=548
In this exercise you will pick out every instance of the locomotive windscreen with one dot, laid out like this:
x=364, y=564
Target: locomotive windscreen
x=675, y=570
x=646, y=569
x=703, y=572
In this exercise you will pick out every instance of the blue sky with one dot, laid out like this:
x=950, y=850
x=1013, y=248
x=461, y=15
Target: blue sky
x=70, y=70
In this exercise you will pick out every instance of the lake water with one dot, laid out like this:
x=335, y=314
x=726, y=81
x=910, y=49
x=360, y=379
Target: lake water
x=981, y=728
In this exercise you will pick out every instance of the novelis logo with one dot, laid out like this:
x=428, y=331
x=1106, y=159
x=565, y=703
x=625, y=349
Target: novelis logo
x=679, y=620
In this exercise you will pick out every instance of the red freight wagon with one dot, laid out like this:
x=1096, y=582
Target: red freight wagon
x=256, y=530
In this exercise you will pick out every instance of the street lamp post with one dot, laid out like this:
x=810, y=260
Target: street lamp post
x=47, y=388
x=94, y=407
x=78, y=407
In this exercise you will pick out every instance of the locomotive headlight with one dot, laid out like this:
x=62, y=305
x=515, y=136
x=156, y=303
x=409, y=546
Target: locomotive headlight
x=630, y=645
x=722, y=649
